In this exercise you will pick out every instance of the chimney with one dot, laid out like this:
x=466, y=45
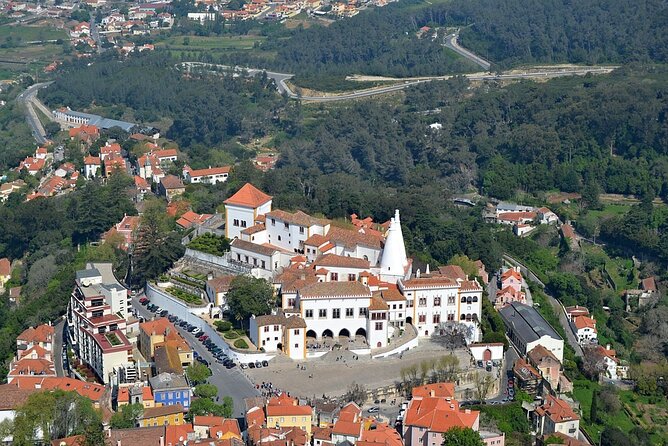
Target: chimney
x=118, y=442
x=607, y=346
x=426, y=271
x=417, y=273
x=162, y=440
x=365, y=280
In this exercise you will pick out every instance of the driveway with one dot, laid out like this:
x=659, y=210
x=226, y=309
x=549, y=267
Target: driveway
x=233, y=382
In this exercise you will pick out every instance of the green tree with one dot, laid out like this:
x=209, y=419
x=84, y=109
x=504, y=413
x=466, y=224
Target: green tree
x=157, y=246
x=460, y=436
x=206, y=391
x=198, y=373
x=249, y=296
x=206, y=406
x=127, y=416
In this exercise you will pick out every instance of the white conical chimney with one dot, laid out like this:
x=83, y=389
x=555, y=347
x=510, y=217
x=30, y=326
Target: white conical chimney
x=393, y=261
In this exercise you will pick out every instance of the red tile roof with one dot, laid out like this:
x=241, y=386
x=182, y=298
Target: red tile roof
x=210, y=171
x=337, y=261
x=557, y=410
x=440, y=390
x=41, y=333
x=439, y=415
x=248, y=196
x=584, y=322
x=5, y=267
x=92, y=391
x=335, y=289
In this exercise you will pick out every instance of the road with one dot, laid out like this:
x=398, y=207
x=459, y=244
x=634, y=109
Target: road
x=282, y=87
x=26, y=99
x=451, y=42
x=233, y=383
x=58, y=348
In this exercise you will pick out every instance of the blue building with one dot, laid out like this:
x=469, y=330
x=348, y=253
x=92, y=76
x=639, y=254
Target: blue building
x=169, y=389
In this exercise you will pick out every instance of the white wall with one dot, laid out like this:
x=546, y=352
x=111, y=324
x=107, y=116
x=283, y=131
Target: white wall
x=244, y=216
x=556, y=346
x=317, y=324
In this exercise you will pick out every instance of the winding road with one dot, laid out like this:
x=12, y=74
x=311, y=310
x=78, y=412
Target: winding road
x=282, y=87
x=26, y=99
x=451, y=42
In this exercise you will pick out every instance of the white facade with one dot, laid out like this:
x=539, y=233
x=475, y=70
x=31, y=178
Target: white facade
x=486, y=352
x=289, y=231
x=432, y=301
x=556, y=346
x=331, y=316
x=238, y=218
x=90, y=170
x=295, y=343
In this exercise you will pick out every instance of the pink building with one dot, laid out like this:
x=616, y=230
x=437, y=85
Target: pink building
x=512, y=278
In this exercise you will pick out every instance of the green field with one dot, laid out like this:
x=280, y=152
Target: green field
x=24, y=34
x=200, y=43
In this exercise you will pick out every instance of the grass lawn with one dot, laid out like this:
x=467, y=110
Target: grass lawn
x=30, y=33
x=610, y=210
x=201, y=43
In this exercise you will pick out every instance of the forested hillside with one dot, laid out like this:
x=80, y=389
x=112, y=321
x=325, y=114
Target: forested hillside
x=204, y=110
x=508, y=32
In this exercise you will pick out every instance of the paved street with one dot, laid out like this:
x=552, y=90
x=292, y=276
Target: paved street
x=451, y=42
x=25, y=99
x=232, y=382
x=58, y=348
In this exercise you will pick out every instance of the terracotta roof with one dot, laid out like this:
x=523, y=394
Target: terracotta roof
x=577, y=310
x=41, y=333
x=177, y=435
x=221, y=284
x=390, y=295
x=32, y=367
x=350, y=412
x=160, y=411
x=11, y=396
x=584, y=322
x=352, y=238
x=438, y=415
x=379, y=434
x=428, y=282
x=255, y=416
x=648, y=284
x=92, y=391
x=378, y=304
x=248, y=196
x=335, y=289
x=254, y=247
x=141, y=183
x=348, y=428
x=568, y=231
x=201, y=420
x=75, y=440
x=516, y=216
x=295, y=322
x=297, y=218
x=336, y=261
x=557, y=410
x=511, y=273
x=470, y=285
x=439, y=390
x=539, y=353
x=316, y=240
x=157, y=326
x=322, y=433
x=565, y=440
x=283, y=405
x=145, y=436
x=228, y=425
x=165, y=153
x=525, y=371
x=5, y=267
x=254, y=229
x=171, y=182
x=210, y=171
x=453, y=272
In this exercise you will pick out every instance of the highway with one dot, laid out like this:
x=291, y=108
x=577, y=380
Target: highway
x=282, y=87
x=451, y=42
x=26, y=99
x=233, y=382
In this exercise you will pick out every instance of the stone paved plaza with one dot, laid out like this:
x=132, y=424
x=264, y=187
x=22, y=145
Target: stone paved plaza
x=332, y=377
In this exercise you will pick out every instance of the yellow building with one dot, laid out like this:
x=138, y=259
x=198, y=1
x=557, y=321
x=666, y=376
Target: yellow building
x=162, y=416
x=284, y=411
x=163, y=332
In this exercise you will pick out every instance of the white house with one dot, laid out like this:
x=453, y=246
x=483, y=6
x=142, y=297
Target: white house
x=584, y=328
x=279, y=332
x=212, y=175
x=556, y=416
x=242, y=209
x=290, y=230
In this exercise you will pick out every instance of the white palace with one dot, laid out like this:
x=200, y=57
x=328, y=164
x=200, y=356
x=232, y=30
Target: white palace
x=341, y=282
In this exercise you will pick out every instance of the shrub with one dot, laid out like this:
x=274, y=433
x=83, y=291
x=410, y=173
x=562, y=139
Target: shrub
x=230, y=335
x=223, y=326
x=240, y=343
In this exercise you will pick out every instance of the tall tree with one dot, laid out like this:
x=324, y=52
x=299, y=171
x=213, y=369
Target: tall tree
x=249, y=296
x=462, y=436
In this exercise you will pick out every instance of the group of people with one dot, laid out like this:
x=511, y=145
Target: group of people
x=268, y=390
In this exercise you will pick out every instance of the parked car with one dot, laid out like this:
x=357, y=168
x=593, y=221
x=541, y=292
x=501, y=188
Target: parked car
x=258, y=365
x=251, y=365
x=265, y=363
x=373, y=409
x=144, y=301
x=203, y=361
x=171, y=318
x=230, y=365
x=203, y=337
x=182, y=324
x=243, y=365
x=197, y=331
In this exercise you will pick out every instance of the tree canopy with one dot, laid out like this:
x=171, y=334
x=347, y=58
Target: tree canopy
x=249, y=296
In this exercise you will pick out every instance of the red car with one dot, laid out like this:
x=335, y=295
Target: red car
x=143, y=300
x=203, y=338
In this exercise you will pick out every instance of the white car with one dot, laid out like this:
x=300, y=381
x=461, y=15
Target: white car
x=197, y=331
x=373, y=409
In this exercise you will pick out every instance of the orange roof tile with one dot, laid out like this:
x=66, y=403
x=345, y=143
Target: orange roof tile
x=440, y=390
x=248, y=196
x=41, y=333
x=557, y=410
x=584, y=322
